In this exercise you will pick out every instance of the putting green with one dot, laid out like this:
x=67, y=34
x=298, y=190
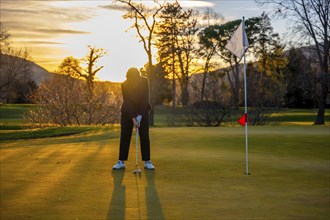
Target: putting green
x=199, y=175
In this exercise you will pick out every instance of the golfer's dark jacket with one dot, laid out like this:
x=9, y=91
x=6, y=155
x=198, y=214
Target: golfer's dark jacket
x=136, y=97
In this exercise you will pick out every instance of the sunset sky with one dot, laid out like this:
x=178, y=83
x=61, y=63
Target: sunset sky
x=53, y=30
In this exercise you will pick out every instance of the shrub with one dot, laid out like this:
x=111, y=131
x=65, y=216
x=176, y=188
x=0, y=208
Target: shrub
x=67, y=101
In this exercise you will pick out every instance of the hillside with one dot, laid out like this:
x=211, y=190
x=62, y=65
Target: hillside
x=19, y=78
x=38, y=73
x=9, y=63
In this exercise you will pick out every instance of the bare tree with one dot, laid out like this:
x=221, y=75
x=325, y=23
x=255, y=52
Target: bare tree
x=167, y=32
x=144, y=23
x=4, y=38
x=89, y=72
x=186, y=52
x=176, y=44
x=70, y=66
x=16, y=84
x=13, y=66
x=83, y=101
x=212, y=110
x=208, y=47
x=64, y=101
x=311, y=20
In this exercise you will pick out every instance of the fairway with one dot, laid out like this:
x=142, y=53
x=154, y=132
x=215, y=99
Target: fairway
x=199, y=175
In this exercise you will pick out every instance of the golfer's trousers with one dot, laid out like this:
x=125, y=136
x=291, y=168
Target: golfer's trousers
x=126, y=134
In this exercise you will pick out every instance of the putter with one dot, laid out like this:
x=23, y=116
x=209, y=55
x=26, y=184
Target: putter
x=136, y=151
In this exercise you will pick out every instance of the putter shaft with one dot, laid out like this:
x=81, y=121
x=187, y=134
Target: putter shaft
x=136, y=152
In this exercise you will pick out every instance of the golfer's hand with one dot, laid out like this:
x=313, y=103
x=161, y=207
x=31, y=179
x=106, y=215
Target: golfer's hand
x=138, y=119
x=135, y=123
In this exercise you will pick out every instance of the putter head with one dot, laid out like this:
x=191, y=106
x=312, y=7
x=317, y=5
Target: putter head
x=137, y=171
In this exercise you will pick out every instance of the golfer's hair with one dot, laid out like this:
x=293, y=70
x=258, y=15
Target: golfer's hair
x=132, y=73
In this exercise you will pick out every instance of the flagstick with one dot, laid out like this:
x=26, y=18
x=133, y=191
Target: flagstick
x=245, y=108
x=235, y=47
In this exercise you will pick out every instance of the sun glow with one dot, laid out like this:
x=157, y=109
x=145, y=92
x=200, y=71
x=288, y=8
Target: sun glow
x=106, y=31
x=55, y=30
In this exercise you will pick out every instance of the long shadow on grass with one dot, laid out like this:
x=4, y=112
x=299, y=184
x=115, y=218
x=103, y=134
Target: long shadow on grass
x=154, y=209
x=117, y=205
x=72, y=138
x=57, y=178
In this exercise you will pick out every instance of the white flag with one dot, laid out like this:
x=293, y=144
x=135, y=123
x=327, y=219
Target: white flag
x=238, y=43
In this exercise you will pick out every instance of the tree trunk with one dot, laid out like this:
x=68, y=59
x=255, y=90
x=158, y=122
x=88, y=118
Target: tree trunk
x=320, y=115
x=152, y=116
x=152, y=89
x=173, y=82
x=203, y=86
x=321, y=92
x=173, y=92
x=184, y=93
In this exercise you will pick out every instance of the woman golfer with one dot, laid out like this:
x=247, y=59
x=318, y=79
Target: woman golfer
x=134, y=113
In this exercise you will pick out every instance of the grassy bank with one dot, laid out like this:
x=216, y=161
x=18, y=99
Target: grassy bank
x=14, y=127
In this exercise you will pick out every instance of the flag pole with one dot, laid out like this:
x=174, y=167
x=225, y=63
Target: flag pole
x=238, y=47
x=245, y=106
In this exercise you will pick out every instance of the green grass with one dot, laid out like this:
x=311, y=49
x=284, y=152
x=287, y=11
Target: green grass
x=13, y=111
x=11, y=116
x=199, y=175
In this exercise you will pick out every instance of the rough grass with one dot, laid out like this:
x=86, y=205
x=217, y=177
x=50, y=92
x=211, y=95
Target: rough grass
x=284, y=116
x=11, y=116
x=199, y=175
x=298, y=117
